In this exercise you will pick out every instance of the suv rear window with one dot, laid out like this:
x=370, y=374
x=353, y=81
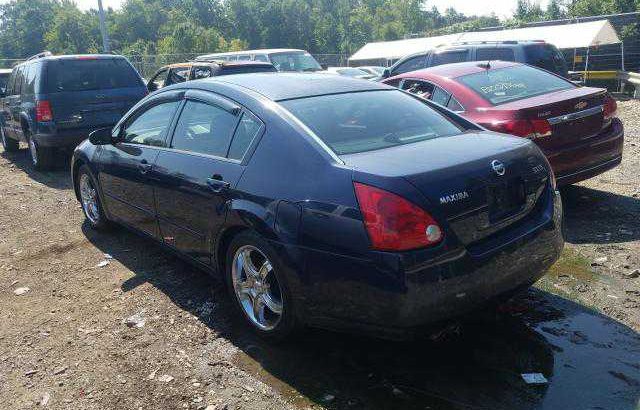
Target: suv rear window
x=226, y=70
x=371, y=120
x=513, y=83
x=90, y=74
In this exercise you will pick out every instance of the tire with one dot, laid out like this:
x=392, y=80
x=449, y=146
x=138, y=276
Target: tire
x=42, y=158
x=267, y=289
x=9, y=144
x=90, y=200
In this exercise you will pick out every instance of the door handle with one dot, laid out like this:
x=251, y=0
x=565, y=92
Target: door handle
x=217, y=184
x=144, y=166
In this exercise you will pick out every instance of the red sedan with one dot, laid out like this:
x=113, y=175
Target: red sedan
x=576, y=127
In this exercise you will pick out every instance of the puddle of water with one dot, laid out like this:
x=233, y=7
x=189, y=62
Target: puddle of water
x=588, y=358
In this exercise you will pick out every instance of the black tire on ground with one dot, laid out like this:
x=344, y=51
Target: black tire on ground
x=9, y=144
x=42, y=158
x=288, y=323
x=96, y=218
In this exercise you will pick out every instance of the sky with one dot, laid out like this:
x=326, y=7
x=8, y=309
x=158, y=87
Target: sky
x=502, y=8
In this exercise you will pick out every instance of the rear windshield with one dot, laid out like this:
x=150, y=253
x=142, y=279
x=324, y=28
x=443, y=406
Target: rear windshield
x=371, y=120
x=96, y=74
x=295, y=61
x=513, y=83
x=246, y=69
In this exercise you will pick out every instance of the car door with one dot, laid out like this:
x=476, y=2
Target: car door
x=6, y=104
x=14, y=103
x=199, y=171
x=126, y=166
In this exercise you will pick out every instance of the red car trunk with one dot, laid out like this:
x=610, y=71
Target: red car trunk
x=575, y=127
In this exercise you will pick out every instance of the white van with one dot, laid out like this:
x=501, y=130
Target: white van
x=283, y=59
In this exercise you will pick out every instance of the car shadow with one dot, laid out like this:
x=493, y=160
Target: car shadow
x=57, y=178
x=589, y=359
x=594, y=216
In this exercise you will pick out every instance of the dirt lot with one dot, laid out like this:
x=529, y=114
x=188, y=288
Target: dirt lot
x=110, y=321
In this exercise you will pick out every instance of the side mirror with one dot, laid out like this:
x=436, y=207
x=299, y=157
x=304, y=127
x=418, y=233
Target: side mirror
x=324, y=66
x=152, y=86
x=101, y=136
x=386, y=73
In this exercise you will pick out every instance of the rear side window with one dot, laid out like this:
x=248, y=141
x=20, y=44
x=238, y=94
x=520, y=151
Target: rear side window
x=150, y=127
x=365, y=121
x=3, y=81
x=412, y=64
x=90, y=74
x=504, y=54
x=449, y=57
x=546, y=56
x=422, y=89
x=177, y=75
x=245, y=133
x=513, y=83
x=30, y=79
x=261, y=57
x=440, y=96
x=204, y=129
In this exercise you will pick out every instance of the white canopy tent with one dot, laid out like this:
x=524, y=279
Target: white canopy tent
x=563, y=36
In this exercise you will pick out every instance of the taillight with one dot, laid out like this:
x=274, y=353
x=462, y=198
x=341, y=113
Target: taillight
x=610, y=107
x=523, y=128
x=43, y=111
x=393, y=223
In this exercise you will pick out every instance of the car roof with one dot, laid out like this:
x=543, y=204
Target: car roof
x=455, y=70
x=256, y=51
x=288, y=86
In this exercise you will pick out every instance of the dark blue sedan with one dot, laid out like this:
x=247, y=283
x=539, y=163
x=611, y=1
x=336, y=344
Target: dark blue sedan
x=327, y=201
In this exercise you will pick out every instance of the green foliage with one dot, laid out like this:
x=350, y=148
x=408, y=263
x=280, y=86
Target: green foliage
x=143, y=27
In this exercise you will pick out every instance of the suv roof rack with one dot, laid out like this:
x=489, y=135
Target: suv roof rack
x=40, y=55
x=460, y=43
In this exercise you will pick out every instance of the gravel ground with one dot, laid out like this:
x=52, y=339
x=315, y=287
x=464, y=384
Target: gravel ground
x=110, y=321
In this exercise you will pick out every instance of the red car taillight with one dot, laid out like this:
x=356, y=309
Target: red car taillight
x=610, y=107
x=523, y=128
x=393, y=223
x=43, y=111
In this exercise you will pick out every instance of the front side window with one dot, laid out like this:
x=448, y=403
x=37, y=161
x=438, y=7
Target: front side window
x=513, y=83
x=365, y=121
x=205, y=129
x=449, y=57
x=412, y=64
x=159, y=79
x=422, y=89
x=201, y=72
x=151, y=126
x=261, y=57
x=177, y=75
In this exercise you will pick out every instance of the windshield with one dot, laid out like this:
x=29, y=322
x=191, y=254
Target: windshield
x=90, y=74
x=295, y=61
x=371, y=120
x=352, y=72
x=513, y=83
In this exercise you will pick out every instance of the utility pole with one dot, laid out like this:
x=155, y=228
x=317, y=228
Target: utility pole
x=103, y=28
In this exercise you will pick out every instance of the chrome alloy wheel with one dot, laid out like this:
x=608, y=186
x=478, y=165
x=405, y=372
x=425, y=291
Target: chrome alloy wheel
x=257, y=287
x=89, y=197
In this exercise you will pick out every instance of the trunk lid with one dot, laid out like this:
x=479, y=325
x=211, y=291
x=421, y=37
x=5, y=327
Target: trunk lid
x=575, y=115
x=457, y=177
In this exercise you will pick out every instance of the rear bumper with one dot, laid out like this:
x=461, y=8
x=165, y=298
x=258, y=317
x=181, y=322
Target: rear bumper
x=395, y=295
x=63, y=138
x=593, y=157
